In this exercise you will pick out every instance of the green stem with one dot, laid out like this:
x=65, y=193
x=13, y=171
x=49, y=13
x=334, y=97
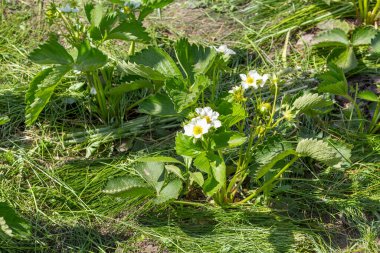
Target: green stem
x=374, y=11
x=188, y=203
x=269, y=182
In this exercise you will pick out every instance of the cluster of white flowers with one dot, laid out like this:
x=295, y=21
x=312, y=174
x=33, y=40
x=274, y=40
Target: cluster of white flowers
x=69, y=9
x=253, y=79
x=206, y=119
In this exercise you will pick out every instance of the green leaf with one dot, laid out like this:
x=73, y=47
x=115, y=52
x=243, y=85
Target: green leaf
x=89, y=58
x=183, y=96
x=363, y=36
x=344, y=58
x=263, y=170
x=51, y=52
x=132, y=86
x=123, y=184
x=228, y=139
x=334, y=81
x=4, y=120
x=369, y=96
x=310, y=103
x=159, y=104
x=218, y=168
x=332, y=38
x=375, y=44
x=129, y=31
x=194, y=59
x=105, y=26
x=335, y=23
x=197, y=177
x=162, y=159
x=231, y=113
x=169, y=192
x=185, y=146
x=153, y=173
x=202, y=163
x=175, y=170
x=95, y=15
x=40, y=91
x=152, y=63
x=154, y=4
x=318, y=150
x=11, y=224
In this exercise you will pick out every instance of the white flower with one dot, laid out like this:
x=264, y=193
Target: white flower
x=93, y=91
x=225, y=50
x=210, y=116
x=264, y=78
x=77, y=72
x=235, y=89
x=250, y=80
x=68, y=9
x=197, y=127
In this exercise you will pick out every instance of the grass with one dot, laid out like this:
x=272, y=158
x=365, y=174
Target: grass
x=44, y=173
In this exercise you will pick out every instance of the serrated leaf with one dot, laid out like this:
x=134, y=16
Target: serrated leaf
x=231, y=113
x=128, y=87
x=105, y=26
x=335, y=23
x=197, y=177
x=202, y=163
x=89, y=58
x=344, y=58
x=169, y=192
x=51, y=52
x=123, y=184
x=184, y=96
x=95, y=15
x=152, y=63
x=318, y=150
x=153, y=173
x=332, y=38
x=363, y=36
x=309, y=103
x=159, y=104
x=129, y=31
x=263, y=170
x=185, y=146
x=194, y=59
x=154, y=4
x=11, y=224
x=228, y=139
x=369, y=96
x=174, y=170
x=334, y=81
x=40, y=91
x=375, y=44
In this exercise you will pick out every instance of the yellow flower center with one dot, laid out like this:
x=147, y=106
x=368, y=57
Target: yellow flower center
x=127, y=9
x=250, y=80
x=207, y=119
x=197, y=130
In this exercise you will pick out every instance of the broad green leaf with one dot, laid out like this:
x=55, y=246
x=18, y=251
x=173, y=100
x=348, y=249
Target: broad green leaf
x=88, y=7
x=335, y=23
x=153, y=173
x=185, y=146
x=228, y=139
x=363, y=36
x=194, y=59
x=89, y=58
x=344, y=58
x=183, y=96
x=369, y=96
x=122, y=184
x=263, y=170
x=231, y=113
x=51, y=52
x=11, y=224
x=271, y=148
x=218, y=168
x=211, y=186
x=156, y=3
x=309, y=103
x=197, y=177
x=333, y=81
x=318, y=150
x=202, y=163
x=332, y=38
x=169, y=192
x=129, y=31
x=132, y=86
x=40, y=91
x=96, y=15
x=4, y=120
x=375, y=44
x=175, y=170
x=152, y=63
x=161, y=159
x=159, y=104
x=105, y=26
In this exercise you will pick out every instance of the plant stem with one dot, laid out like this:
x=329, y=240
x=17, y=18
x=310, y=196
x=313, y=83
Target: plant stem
x=188, y=203
x=132, y=48
x=257, y=191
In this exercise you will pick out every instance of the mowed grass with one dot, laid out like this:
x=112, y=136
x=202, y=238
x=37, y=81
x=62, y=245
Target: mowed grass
x=59, y=191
